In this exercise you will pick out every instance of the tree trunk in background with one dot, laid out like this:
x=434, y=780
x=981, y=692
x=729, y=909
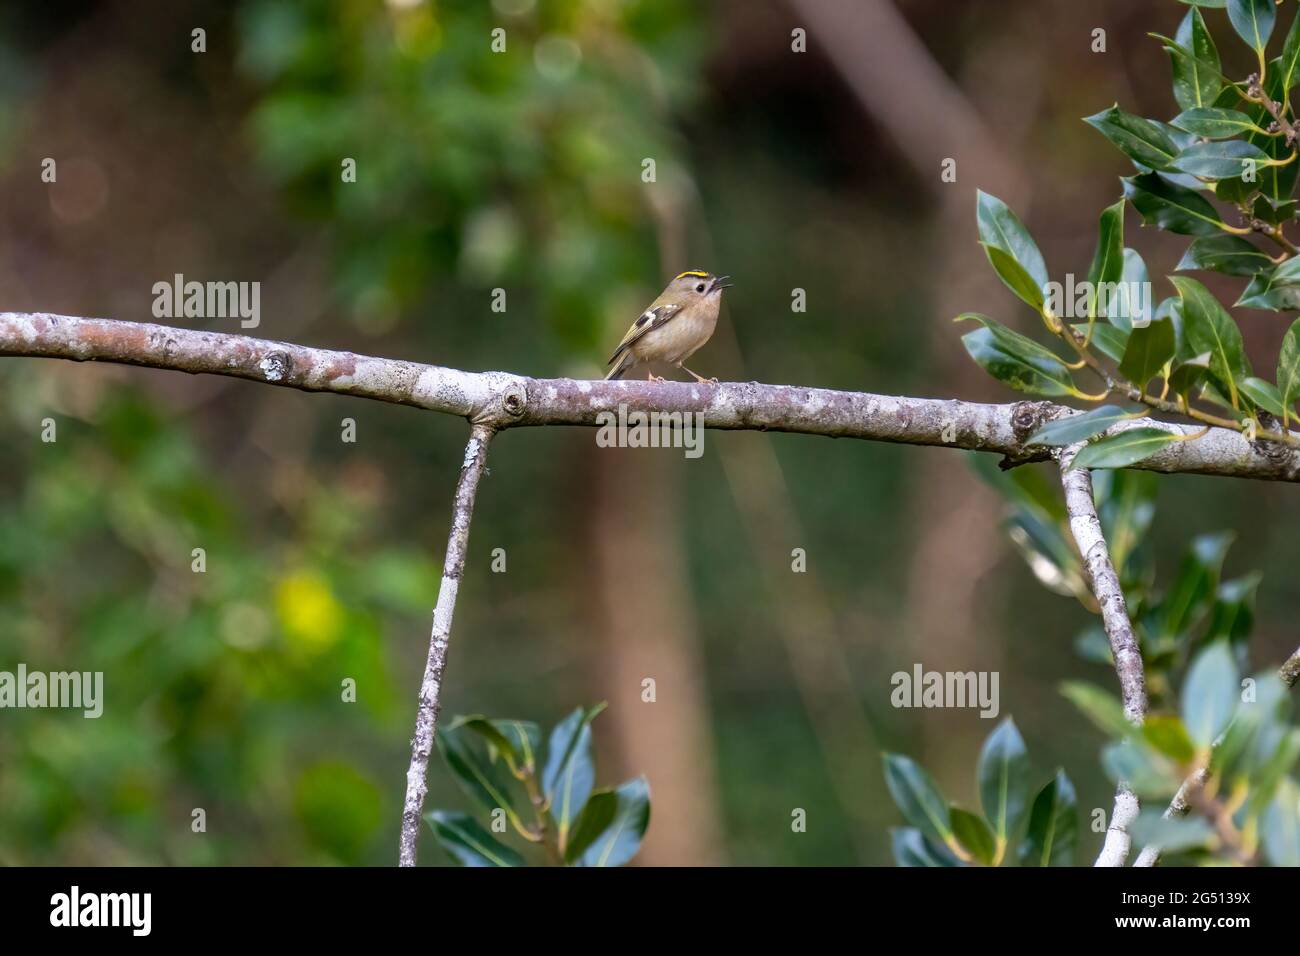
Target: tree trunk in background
x=641, y=613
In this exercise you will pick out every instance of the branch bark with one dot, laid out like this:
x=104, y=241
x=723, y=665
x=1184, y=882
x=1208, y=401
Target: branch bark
x=502, y=400
x=453, y=568
x=1085, y=525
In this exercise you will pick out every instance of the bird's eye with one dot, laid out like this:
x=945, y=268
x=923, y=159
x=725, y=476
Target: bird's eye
x=700, y=287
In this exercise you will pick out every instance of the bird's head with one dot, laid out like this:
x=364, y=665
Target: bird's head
x=697, y=285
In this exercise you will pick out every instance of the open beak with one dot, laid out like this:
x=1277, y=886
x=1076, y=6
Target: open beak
x=720, y=283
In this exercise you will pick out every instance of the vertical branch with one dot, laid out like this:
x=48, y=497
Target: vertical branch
x=1086, y=528
x=426, y=716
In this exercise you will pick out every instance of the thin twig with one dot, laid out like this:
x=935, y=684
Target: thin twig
x=426, y=717
x=1085, y=525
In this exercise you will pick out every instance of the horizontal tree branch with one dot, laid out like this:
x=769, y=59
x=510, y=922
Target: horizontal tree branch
x=502, y=400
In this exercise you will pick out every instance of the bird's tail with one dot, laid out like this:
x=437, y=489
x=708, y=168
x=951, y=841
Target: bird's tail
x=618, y=370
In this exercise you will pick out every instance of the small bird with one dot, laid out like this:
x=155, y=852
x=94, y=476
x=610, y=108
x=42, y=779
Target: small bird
x=675, y=325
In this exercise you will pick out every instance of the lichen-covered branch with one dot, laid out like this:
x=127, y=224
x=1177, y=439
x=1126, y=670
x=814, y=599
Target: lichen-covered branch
x=503, y=400
x=1085, y=525
x=426, y=716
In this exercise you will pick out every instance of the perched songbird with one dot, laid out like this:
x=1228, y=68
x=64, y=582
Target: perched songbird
x=676, y=324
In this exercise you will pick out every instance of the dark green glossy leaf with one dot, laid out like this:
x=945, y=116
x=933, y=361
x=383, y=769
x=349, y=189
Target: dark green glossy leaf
x=1017, y=361
x=1209, y=328
x=1264, y=394
x=612, y=824
x=467, y=842
x=1253, y=20
x=486, y=782
x=1277, y=213
x=1210, y=693
x=1195, y=63
x=1231, y=255
x=1171, y=207
x=1190, y=375
x=1011, y=249
x=1276, y=289
x=1214, y=122
x=1053, y=825
x=1277, y=182
x=1003, y=775
x=917, y=797
x=1109, y=340
x=973, y=834
x=570, y=775
x=1123, y=449
x=912, y=848
x=1107, y=266
x=514, y=741
x=1288, y=368
x=1227, y=159
x=1289, y=62
x=1149, y=348
x=1129, y=311
x=1142, y=140
x=1077, y=428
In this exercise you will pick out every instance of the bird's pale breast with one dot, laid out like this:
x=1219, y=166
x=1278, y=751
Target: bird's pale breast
x=679, y=338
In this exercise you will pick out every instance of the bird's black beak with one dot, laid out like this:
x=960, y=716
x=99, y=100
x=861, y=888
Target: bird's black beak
x=720, y=283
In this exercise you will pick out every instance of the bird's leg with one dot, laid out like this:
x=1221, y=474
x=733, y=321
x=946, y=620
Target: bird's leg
x=698, y=378
x=650, y=377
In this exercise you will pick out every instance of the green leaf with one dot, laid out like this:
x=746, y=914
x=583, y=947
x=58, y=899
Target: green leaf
x=1209, y=328
x=1142, y=140
x=1263, y=394
x=1146, y=772
x=1233, y=614
x=1053, y=825
x=570, y=775
x=1281, y=826
x=1210, y=693
x=612, y=824
x=1166, y=734
x=1149, y=348
x=1276, y=213
x=525, y=738
x=1214, y=122
x=1228, y=159
x=1276, y=289
x=1101, y=707
x=1107, y=266
x=1171, y=207
x=1172, y=834
x=973, y=834
x=1077, y=428
x=1003, y=775
x=1190, y=374
x=1126, y=506
x=512, y=740
x=1128, y=312
x=1288, y=367
x=1196, y=584
x=1231, y=255
x=482, y=780
x=1109, y=340
x=917, y=797
x=1277, y=182
x=1011, y=250
x=911, y=848
x=467, y=842
x=1017, y=361
x=1195, y=63
x=1289, y=62
x=1123, y=449
x=1253, y=20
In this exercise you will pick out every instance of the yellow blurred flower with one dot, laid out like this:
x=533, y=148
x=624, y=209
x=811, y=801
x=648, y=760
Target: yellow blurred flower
x=311, y=617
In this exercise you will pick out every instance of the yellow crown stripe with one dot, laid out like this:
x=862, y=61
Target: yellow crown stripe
x=702, y=275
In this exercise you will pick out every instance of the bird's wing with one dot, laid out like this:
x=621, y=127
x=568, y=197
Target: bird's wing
x=647, y=321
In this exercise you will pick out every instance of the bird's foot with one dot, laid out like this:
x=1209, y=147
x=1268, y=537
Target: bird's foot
x=650, y=377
